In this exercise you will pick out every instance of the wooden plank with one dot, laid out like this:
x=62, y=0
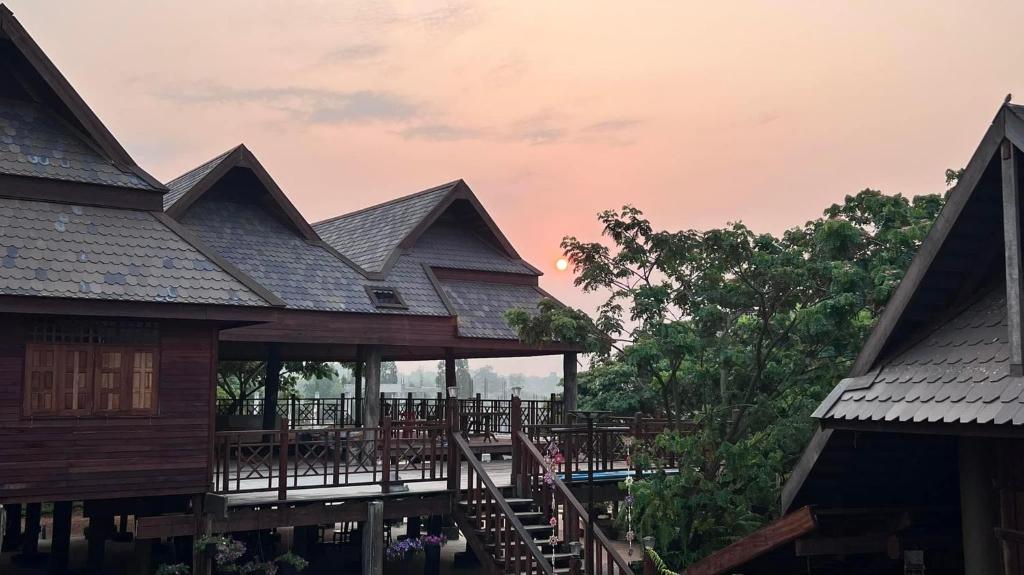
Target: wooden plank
x=774, y=535
x=1012, y=236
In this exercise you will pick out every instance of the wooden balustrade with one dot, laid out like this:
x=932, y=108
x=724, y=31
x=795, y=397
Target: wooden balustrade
x=555, y=497
x=287, y=459
x=493, y=520
x=485, y=417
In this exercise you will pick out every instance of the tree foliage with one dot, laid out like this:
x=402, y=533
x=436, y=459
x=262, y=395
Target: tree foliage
x=737, y=332
x=241, y=380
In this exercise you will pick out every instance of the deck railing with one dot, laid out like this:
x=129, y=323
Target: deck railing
x=300, y=412
x=288, y=459
x=552, y=495
x=483, y=417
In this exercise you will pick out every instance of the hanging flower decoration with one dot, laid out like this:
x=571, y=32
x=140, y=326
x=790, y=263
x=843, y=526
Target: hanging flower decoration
x=553, y=459
x=629, y=500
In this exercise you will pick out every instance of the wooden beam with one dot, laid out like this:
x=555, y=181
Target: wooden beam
x=1012, y=236
x=291, y=515
x=775, y=534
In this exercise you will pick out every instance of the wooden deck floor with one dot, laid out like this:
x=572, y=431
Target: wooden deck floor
x=309, y=488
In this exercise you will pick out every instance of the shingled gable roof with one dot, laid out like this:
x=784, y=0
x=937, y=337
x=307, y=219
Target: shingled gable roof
x=192, y=185
x=942, y=301
x=374, y=237
x=939, y=357
x=107, y=163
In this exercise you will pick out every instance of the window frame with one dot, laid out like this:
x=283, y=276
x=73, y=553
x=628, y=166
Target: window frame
x=371, y=292
x=95, y=368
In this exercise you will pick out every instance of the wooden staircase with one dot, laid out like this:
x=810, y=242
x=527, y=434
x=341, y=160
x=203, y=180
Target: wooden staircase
x=513, y=535
x=484, y=526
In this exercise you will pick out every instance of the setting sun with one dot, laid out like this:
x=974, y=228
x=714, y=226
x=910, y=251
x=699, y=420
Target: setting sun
x=562, y=264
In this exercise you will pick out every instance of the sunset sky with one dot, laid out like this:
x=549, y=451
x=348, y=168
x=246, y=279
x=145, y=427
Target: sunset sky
x=699, y=113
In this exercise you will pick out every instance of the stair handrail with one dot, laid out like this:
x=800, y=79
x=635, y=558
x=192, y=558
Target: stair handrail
x=506, y=509
x=602, y=539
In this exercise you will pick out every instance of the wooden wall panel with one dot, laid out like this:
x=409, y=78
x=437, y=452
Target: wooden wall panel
x=48, y=459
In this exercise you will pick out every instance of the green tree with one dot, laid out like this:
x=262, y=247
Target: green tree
x=388, y=373
x=241, y=380
x=463, y=377
x=739, y=334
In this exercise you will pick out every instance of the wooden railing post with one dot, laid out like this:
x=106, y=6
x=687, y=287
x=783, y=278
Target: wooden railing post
x=452, y=413
x=386, y=455
x=282, y=461
x=340, y=411
x=516, y=425
x=649, y=567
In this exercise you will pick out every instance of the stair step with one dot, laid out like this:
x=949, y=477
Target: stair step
x=513, y=502
x=557, y=557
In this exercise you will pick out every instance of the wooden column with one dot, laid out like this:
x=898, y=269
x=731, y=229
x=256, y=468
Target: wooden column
x=12, y=527
x=373, y=539
x=357, y=376
x=979, y=507
x=60, y=545
x=449, y=372
x=570, y=394
x=1012, y=236
x=371, y=398
x=30, y=539
x=271, y=387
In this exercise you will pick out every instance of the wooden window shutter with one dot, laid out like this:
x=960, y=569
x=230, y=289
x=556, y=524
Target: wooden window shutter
x=111, y=376
x=75, y=379
x=41, y=380
x=143, y=381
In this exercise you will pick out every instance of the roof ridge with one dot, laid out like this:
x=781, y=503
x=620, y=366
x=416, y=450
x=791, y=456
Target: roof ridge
x=390, y=202
x=217, y=159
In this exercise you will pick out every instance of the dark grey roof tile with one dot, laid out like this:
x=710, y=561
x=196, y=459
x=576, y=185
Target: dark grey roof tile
x=104, y=253
x=303, y=274
x=179, y=186
x=35, y=142
x=369, y=236
x=481, y=306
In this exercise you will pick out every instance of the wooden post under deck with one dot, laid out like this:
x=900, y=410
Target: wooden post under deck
x=12, y=530
x=373, y=539
x=60, y=542
x=30, y=539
